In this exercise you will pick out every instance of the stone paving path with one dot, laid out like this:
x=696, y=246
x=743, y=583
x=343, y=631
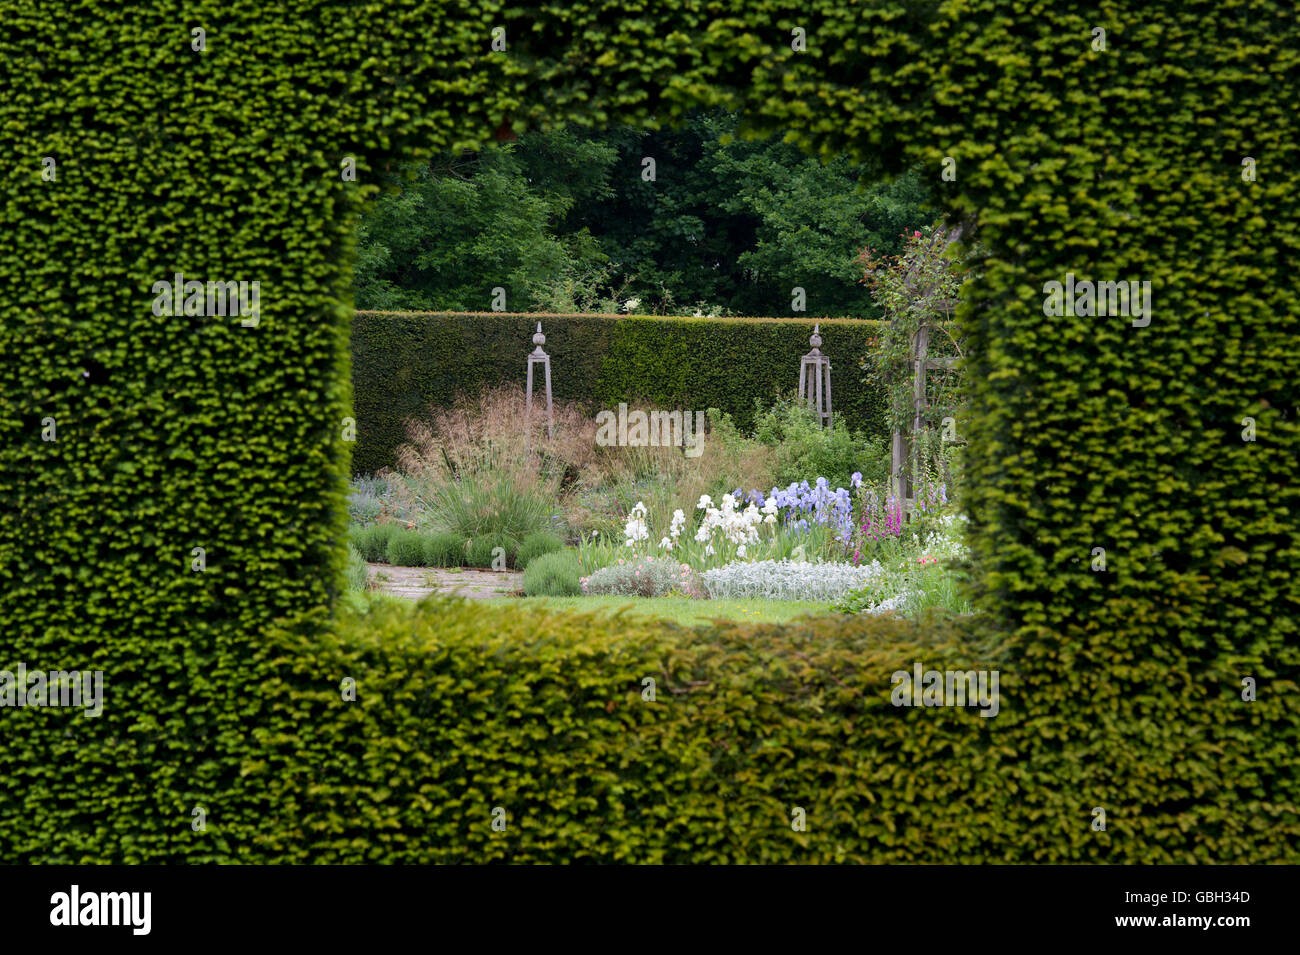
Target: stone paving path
x=417, y=582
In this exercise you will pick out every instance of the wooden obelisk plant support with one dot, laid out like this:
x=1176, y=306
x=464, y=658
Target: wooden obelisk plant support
x=815, y=379
x=539, y=357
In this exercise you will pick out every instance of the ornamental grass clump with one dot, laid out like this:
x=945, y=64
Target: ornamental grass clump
x=481, y=467
x=553, y=575
x=357, y=575
x=644, y=577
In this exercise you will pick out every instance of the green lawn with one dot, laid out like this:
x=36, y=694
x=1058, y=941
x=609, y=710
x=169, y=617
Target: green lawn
x=680, y=609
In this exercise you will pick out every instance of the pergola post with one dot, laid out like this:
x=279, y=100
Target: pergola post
x=904, y=457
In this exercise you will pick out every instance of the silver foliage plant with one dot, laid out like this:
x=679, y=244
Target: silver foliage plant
x=644, y=577
x=789, y=579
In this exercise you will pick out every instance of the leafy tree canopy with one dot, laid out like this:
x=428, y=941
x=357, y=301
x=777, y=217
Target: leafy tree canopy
x=567, y=220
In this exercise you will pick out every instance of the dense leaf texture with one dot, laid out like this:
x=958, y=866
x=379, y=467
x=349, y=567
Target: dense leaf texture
x=175, y=433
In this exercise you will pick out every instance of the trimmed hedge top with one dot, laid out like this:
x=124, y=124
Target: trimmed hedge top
x=545, y=317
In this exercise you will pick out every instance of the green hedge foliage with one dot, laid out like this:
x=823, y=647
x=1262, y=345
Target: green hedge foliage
x=464, y=706
x=749, y=722
x=403, y=363
x=175, y=433
x=1125, y=433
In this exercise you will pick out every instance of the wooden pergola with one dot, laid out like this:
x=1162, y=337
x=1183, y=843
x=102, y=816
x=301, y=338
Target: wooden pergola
x=903, y=463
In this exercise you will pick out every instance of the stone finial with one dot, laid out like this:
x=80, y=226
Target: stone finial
x=539, y=339
x=816, y=339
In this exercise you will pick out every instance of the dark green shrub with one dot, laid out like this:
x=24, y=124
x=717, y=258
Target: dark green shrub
x=481, y=550
x=444, y=549
x=406, y=548
x=553, y=575
x=371, y=541
x=535, y=545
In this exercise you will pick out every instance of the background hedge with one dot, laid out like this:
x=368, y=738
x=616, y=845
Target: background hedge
x=1123, y=163
x=405, y=362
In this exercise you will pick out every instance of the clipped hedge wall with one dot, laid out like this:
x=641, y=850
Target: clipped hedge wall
x=1166, y=157
x=464, y=706
x=1124, y=163
x=460, y=707
x=405, y=362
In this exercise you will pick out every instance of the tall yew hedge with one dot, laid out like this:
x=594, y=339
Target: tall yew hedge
x=1169, y=155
